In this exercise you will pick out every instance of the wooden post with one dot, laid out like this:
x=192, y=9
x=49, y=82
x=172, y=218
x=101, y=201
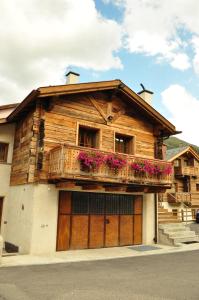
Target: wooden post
x=62, y=160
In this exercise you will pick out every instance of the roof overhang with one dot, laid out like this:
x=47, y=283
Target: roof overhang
x=188, y=149
x=5, y=111
x=44, y=92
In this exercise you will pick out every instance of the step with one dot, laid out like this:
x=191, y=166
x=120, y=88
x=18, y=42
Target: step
x=182, y=234
x=168, y=218
x=168, y=221
x=176, y=229
x=185, y=239
x=172, y=225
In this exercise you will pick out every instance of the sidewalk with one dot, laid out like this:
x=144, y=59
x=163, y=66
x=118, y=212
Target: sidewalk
x=93, y=254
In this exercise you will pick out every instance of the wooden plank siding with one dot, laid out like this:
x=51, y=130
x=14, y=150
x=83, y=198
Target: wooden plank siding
x=61, y=123
x=182, y=192
x=25, y=149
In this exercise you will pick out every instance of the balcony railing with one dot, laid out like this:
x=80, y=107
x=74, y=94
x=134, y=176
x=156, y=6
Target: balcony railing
x=187, y=198
x=64, y=164
x=187, y=170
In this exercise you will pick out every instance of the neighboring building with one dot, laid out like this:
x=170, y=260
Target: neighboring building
x=6, y=148
x=182, y=200
x=69, y=187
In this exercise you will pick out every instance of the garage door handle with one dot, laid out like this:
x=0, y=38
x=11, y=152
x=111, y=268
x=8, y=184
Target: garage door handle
x=107, y=221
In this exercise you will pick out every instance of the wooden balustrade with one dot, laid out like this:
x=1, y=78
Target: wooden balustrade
x=191, y=198
x=187, y=170
x=64, y=164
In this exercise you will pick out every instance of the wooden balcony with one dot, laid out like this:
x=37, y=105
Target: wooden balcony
x=191, y=199
x=186, y=170
x=64, y=164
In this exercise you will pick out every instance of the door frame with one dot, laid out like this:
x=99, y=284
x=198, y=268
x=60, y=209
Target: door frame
x=1, y=210
x=70, y=215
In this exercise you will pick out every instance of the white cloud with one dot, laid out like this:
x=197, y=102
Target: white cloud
x=164, y=29
x=195, y=42
x=183, y=108
x=40, y=39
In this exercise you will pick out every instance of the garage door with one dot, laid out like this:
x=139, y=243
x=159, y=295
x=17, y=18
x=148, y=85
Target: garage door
x=96, y=220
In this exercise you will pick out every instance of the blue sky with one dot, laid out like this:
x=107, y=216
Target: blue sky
x=139, y=68
x=153, y=42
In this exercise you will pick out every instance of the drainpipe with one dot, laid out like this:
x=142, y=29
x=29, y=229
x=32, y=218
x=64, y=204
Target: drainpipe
x=156, y=217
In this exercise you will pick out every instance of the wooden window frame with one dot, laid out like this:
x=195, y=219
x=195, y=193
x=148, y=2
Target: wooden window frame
x=91, y=128
x=177, y=163
x=132, y=142
x=5, y=158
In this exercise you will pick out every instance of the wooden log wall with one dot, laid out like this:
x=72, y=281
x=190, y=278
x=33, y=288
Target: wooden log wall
x=25, y=149
x=67, y=113
x=61, y=122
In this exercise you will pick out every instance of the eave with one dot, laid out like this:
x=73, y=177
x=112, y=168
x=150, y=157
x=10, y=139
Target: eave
x=44, y=92
x=188, y=149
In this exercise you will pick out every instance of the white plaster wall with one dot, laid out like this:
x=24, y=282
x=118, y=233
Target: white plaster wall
x=148, y=219
x=7, y=132
x=32, y=218
x=45, y=212
x=19, y=217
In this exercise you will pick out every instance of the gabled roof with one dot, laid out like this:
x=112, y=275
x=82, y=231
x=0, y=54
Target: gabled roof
x=172, y=154
x=44, y=92
x=5, y=111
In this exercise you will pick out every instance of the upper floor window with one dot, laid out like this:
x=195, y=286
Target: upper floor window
x=3, y=152
x=88, y=137
x=123, y=144
x=177, y=163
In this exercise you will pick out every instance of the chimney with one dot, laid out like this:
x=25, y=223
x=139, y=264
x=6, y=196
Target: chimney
x=72, y=77
x=146, y=95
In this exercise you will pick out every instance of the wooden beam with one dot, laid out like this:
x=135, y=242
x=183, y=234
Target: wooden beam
x=97, y=187
x=99, y=109
x=118, y=114
x=116, y=188
x=66, y=184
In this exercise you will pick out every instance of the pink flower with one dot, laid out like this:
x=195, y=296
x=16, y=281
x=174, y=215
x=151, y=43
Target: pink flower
x=115, y=162
x=90, y=161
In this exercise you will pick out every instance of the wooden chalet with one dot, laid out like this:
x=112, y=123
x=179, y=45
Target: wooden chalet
x=183, y=197
x=67, y=204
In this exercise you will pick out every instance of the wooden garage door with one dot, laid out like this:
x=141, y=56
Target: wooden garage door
x=92, y=220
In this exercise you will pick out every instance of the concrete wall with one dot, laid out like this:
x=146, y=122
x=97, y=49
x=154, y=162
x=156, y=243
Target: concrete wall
x=32, y=218
x=45, y=212
x=148, y=219
x=6, y=135
x=19, y=217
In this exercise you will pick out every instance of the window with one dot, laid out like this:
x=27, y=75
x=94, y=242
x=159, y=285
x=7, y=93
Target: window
x=3, y=152
x=88, y=137
x=197, y=187
x=186, y=162
x=102, y=204
x=177, y=163
x=123, y=144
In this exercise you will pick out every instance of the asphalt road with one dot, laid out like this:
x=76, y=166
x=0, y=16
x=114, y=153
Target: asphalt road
x=168, y=276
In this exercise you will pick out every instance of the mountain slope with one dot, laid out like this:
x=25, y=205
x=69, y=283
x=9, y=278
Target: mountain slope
x=174, y=142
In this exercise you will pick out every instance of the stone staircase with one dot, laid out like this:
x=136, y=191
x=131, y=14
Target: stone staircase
x=175, y=234
x=164, y=216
